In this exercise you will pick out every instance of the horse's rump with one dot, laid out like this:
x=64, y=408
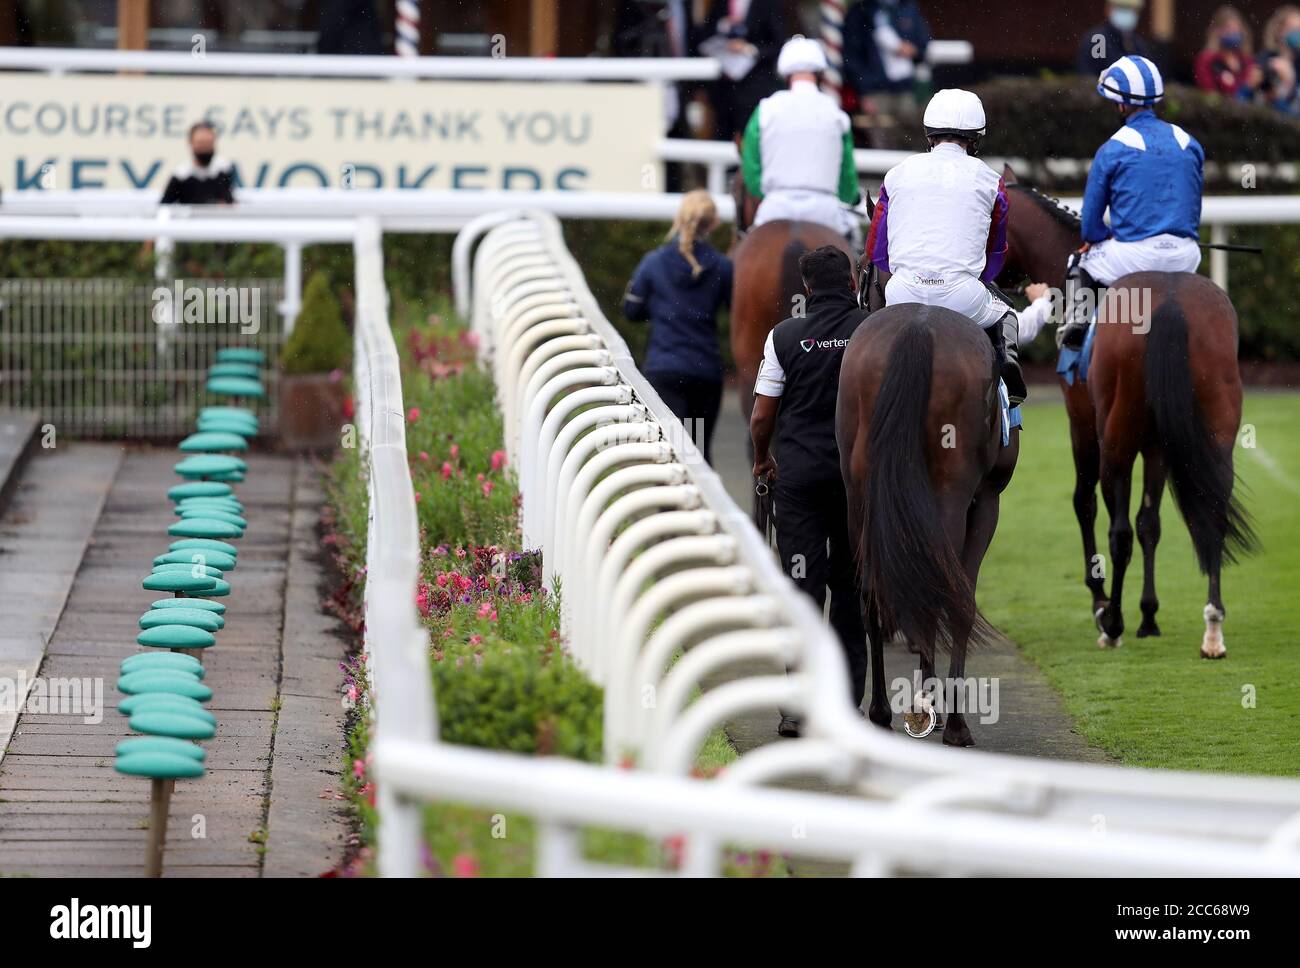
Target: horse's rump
x=1171, y=354
x=765, y=283
x=918, y=433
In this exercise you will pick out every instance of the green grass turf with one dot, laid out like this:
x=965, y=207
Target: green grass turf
x=1155, y=702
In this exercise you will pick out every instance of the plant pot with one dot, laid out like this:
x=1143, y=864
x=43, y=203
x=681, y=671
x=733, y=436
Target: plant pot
x=311, y=411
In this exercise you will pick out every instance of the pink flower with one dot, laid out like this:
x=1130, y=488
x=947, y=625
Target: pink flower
x=487, y=488
x=463, y=865
x=417, y=495
x=413, y=414
x=424, y=455
x=441, y=579
x=475, y=639
x=470, y=338
x=460, y=552
x=498, y=459
x=359, y=769
x=446, y=470
x=455, y=451
x=487, y=611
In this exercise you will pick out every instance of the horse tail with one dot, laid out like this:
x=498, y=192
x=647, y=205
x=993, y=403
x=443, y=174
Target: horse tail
x=910, y=572
x=791, y=277
x=1200, y=471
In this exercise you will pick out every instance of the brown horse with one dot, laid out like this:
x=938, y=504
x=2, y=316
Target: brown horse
x=1163, y=382
x=918, y=425
x=766, y=281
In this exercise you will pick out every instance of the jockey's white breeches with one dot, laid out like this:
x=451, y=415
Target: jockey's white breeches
x=805, y=206
x=964, y=294
x=1108, y=260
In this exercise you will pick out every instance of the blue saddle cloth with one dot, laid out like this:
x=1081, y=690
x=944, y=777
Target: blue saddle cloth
x=1010, y=414
x=1072, y=362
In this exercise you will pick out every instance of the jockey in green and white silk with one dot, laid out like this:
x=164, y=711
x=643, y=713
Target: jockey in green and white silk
x=797, y=154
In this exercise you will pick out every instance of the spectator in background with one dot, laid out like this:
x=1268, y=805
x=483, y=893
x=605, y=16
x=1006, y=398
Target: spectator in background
x=1225, y=66
x=1280, y=60
x=746, y=35
x=1117, y=37
x=661, y=28
x=205, y=179
x=350, y=27
x=679, y=288
x=884, y=40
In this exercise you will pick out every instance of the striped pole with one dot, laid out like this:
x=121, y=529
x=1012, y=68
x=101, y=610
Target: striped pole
x=408, y=28
x=832, y=16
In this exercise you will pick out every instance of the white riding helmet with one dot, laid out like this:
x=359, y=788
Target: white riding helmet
x=1131, y=80
x=801, y=55
x=954, y=111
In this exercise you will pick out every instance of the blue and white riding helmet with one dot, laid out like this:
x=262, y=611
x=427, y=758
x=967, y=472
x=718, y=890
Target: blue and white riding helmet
x=1131, y=80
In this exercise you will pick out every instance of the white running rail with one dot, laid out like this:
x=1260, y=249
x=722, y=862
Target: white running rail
x=638, y=528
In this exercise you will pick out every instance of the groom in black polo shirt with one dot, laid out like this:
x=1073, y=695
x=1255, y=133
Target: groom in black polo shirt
x=800, y=378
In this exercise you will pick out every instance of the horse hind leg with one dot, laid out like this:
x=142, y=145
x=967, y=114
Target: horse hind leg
x=879, y=711
x=1212, y=646
x=1116, y=482
x=1148, y=535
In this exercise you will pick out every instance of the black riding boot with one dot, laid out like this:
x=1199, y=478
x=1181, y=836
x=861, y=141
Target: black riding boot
x=1005, y=336
x=1082, y=298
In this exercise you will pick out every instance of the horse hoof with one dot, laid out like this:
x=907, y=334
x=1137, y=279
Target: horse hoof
x=963, y=738
x=1208, y=652
x=1104, y=641
x=1147, y=629
x=920, y=724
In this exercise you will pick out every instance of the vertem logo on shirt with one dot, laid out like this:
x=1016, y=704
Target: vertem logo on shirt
x=809, y=345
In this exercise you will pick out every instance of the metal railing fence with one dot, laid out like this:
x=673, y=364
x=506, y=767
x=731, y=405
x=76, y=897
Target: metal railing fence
x=123, y=358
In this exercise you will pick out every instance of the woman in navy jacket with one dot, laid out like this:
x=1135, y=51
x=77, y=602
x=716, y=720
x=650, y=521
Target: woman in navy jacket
x=679, y=288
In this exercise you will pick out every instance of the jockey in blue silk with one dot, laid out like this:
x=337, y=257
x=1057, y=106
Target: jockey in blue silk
x=1149, y=174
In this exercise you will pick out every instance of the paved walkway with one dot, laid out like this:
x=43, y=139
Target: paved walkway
x=262, y=806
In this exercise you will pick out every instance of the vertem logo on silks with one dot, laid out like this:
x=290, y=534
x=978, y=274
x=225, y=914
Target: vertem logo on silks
x=808, y=345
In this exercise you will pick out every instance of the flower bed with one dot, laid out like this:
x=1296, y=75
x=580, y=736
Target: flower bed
x=500, y=672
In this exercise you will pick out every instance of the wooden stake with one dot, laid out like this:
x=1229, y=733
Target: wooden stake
x=160, y=795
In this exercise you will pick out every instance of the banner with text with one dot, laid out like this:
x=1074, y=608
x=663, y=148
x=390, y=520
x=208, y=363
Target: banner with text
x=124, y=132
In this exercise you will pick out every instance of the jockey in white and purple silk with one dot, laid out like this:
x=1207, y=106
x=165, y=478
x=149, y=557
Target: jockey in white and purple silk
x=1150, y=175
x=797, y=154
x=940, y=228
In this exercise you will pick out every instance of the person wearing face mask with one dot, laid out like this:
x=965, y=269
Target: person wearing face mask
x=1225, y=66
x=1281, y=60
x=204, y=180
x=1117, y=37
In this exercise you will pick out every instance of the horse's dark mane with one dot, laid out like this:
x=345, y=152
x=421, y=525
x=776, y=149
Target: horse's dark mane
x=1065, y=216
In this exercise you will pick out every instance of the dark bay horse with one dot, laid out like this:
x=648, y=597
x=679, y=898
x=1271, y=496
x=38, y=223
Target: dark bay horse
x=1163, y=382
x=918, y=425
x=766, y=281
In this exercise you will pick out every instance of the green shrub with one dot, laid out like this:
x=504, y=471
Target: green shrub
x=508, y=700
x=319, y=342
x=1063, y=117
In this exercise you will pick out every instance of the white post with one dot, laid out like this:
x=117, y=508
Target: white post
x=292, y=302
x=718, y=177
x=1219, y=258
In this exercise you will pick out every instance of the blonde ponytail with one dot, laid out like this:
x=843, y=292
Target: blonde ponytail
x=697, y=216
